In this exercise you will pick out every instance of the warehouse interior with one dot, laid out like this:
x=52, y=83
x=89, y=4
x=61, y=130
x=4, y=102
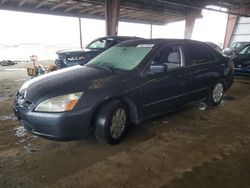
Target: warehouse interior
x=150, y=11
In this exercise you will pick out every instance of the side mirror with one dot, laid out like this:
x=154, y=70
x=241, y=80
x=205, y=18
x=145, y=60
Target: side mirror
x=231, y=52
x=157, y=68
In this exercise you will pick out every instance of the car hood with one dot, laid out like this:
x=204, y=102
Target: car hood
x=76, y=51
x=241, y=60
x=69, y=80
x=237, y=57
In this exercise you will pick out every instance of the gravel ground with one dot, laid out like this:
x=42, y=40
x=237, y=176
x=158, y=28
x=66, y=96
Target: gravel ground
x=194, y=147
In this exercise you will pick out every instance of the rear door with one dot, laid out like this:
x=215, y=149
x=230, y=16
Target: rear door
x=202, y=68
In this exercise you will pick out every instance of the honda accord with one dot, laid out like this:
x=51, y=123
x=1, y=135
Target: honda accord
x=128, y=83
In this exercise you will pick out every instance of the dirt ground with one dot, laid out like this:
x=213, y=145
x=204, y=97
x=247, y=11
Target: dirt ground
x=194, y=147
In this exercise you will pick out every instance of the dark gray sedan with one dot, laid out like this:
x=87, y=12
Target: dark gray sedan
x=128, y=83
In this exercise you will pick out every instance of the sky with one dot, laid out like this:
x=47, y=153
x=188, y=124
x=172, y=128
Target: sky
x=43, y=34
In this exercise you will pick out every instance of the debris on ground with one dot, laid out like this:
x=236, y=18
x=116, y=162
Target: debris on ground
x=10, y=117
x=202, y=106
x=30, y=149
x=20, y=132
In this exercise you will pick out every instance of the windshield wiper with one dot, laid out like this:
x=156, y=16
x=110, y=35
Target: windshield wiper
x=100, y=66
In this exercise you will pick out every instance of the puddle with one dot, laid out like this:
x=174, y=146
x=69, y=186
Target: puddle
x=202, y=106
x=20, y=132
x=11, y=117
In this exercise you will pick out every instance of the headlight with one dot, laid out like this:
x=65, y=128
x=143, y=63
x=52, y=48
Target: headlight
x=59, y=104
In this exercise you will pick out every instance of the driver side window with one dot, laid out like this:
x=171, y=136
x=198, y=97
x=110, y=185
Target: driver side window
x=99, y=44
x=169, y=56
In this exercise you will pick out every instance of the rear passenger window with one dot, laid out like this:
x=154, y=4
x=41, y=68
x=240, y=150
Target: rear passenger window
x=198, y=54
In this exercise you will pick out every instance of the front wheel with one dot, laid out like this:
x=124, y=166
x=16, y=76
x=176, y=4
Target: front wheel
x=216, y=94
x=111, y=122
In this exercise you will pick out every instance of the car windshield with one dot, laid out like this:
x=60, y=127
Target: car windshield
x=121, y=58
x=244, y=50
x=100, y=44
x=237, y=45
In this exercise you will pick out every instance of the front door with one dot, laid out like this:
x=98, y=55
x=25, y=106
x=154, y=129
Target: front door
x=166, y=89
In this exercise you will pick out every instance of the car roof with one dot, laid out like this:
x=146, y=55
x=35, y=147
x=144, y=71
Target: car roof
x=242, y=42
x=158, y=41
x=155, y=43
x=119, y=37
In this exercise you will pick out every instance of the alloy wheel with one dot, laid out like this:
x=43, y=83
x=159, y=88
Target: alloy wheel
x=218, y=92
x=118, y=123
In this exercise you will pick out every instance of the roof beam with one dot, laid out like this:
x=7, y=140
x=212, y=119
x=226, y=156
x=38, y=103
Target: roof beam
x=41, y=4
x=96, y=11
x=76, y=5
x=57, y=5
x=200, y=8
x=21, y=3
x=3, y=1
x=125, y=12
x=89, y=8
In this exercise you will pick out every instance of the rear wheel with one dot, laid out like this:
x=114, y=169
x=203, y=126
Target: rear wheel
x=111, y=122
x=216, y=94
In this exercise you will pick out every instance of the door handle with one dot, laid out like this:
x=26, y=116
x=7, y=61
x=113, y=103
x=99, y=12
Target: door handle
x=183, y=76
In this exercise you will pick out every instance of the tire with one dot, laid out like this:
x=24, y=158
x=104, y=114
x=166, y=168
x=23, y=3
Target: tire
x=111, y=123
x=216, y=93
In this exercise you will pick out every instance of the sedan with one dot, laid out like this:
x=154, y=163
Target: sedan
x=127, y=84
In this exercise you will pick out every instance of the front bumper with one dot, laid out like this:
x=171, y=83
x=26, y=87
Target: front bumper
x=60, y=126
x=242, y=71
x=64, y=63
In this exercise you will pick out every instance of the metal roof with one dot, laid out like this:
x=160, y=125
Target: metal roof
x=147, y=11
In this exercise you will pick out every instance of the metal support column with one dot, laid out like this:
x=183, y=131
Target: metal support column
x=231, y=22
x=190, y=21
x=112, y=10
x=80, y=30
x=151, y=31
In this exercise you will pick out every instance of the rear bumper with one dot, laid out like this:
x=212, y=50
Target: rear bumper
x=229, y=79
x=60, y=126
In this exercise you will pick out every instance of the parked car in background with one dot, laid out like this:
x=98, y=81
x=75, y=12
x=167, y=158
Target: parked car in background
x=241, y=60
x=129, y=83
x=214, y=46
x=7, y=63
x=67, y=58
x=233, y=48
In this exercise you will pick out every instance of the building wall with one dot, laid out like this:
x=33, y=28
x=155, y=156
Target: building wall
x=242, y=30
